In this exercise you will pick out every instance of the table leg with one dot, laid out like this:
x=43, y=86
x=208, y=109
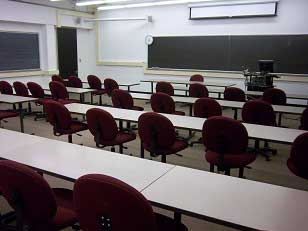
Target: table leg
x=177, y=217
x=190, y=109
x=21, y=116
x=128, y=88
x=152, y=87
x=82, y=98
x=279, y=118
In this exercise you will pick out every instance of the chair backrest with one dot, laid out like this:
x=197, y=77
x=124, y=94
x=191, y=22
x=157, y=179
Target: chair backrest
x=224, y=135
x=162, y=103
x=20, y=89
x=36, y=90
x=122, y=99
x=155, y=129
x=206, y=108
x=110, y=85
x=165, y=87
x=74, y=81
x=27, y=192
x=304, y=120
x=57, y=78
x=275, y=96
x=6, y=88
x=258, y=112
x=101, y=125
x=234, y=94
x=58, y=90
x=198, y=90
x=58, y=116
x=94, y=82
x=298, y=160
x=197, y=78
x=103, y=200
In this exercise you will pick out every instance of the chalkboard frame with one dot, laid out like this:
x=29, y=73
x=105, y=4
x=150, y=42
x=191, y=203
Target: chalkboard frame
x=38, y=68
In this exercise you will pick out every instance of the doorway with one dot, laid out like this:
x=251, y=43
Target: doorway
x=67, y=51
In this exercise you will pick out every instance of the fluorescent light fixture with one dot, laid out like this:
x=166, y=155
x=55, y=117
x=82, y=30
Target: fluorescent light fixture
x=146, y=4
x=96, y=2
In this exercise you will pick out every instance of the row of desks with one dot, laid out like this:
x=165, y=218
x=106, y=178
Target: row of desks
x=260, y=132
x=234, y=202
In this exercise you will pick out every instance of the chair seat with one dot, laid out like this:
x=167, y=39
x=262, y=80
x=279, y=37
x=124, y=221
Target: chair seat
x=122, y=137
x=7, y=114
x=231, y=160
x=177, y=146
x=68, y=101
x=65, y=215
x=75, y=126
x=137, y=108
x=99, y=92
x=165, y=223
x=179, y=113
x=43, y=101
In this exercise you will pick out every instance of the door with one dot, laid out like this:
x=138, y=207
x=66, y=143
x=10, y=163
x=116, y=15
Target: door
x=67, y=51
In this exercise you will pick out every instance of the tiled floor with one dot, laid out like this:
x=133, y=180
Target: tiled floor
x=274, y=172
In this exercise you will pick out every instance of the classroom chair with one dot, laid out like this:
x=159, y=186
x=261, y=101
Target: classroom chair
x=35, y=203
x=275, y=96
x=304, y=120
x=60, y=118
x=158, y=136
x=197, y=78
x=6, y=88
x=262, y=113
x=122, y=99
x=163, y=103
x=198, y=91
x=110, y=85
x=206, y=108
x=4, y=114
x=105, y=130
x=106, y=203
x=74, y=81
x=22, y=90
x=38, y=92
x=57, y=78
x=59, y=93
x=297, y=162
x=234, y=94
x=226, y=142
x=95, y=83
x=165, y=87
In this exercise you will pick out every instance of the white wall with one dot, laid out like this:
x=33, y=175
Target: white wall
x=117, y=39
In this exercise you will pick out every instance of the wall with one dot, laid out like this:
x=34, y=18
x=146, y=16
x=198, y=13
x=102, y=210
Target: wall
x=117, y=39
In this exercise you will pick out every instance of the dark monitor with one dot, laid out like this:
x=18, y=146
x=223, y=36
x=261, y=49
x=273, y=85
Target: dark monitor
x=266, y=66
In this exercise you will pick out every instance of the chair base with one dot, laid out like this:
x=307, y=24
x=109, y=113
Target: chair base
x=227, y=171
x=263, y=151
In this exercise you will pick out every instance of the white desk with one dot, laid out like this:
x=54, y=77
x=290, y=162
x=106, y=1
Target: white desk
x=71, y=161
x=14, y=99
x=128, y=84
x=74, y=90
x=231, y=201
x=260, y=132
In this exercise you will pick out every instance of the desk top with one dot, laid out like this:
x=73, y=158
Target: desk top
x=74, y=90
x=70, y=161
x=11, y=99
x=231, y=200
x=206, y=83
x=128, y=84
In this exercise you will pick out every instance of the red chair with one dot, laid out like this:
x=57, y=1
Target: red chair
x=122, y=99
x=262, y=113
x=57, y=78
x=226, y=142
x=105, y=203
x=304, y=120
x=234, y=94
x=6, y=88
x=74, y=81
x=105, y=130
x=4, y=114
x=297, y=163
x=95, y=83
x=35, y=203
x=275, y=96
x=165, y=87
x=110, y=85
x=60, y=118
x=196, y=78
x=163, y=103
x=198, y=90
x=59, y=93
x=158, y=136
x=22, y=90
